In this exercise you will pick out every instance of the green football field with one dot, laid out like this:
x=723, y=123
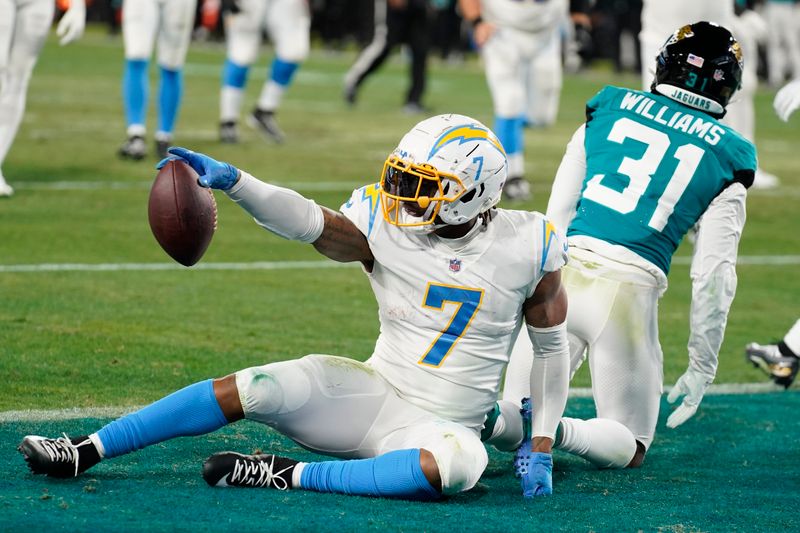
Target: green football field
x=93, y=314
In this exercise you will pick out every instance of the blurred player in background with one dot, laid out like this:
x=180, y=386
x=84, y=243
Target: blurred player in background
x=170, y=23
x=659, y=18
x=780, y=360
x=520, y=43
x=455, y=280
x=23, y=29
x=288, y=23
x=783, y=41
x=645, y=168
x=396, y=22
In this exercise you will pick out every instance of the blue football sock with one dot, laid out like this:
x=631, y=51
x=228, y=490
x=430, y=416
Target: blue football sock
x=395, y=474
x=282, y=72
x=193, y=410
x=135, y=90
x=510, y=131
x=234, y=75
x=169, y=98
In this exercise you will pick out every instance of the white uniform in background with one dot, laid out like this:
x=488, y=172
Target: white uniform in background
x=286, y=21
x=23, y=29
x=783, y=40
x=660, y=19
x=523, y=66
x=169, y=22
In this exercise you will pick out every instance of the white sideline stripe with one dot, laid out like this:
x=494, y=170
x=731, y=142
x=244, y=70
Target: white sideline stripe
x=31, y=415
x=761, y=260
x=145, y=185
x=113, y=267
x=764, y=260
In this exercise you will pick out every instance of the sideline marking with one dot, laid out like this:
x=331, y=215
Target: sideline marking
x=115, y=267
x=761, y=260
x=145, y=185
x=32, y=415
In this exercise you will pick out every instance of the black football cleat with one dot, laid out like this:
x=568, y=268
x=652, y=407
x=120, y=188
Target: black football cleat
x=264, y=122
x=61, y=457
x=350, y=94
x=517, y=189
x=228, y=132
x=134, y=148
x=231, y=469
x=162, y=145
x=782, y=368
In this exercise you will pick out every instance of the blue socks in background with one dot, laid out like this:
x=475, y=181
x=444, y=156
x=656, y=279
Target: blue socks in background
x=135, y=90
x=169, y=98
x=282, y=72
x=510, y=133
x=234, y=75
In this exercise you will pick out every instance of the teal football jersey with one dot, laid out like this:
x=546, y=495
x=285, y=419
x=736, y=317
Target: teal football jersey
x=653, y=166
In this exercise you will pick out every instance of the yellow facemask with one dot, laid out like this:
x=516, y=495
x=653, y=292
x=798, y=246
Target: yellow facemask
x=421, y=187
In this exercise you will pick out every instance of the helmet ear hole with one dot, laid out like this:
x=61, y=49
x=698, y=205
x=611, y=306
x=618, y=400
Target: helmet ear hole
x=483, y=188
x=469, y=196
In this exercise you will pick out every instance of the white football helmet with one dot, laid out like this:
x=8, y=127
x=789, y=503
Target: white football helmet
x=446, y=171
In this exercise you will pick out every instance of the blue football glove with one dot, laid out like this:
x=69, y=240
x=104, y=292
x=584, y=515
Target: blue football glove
x=535, y=470
x=211, y=173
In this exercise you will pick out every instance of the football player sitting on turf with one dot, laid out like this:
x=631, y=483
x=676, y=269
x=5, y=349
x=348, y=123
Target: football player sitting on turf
x=454, y=278
x=643, y=170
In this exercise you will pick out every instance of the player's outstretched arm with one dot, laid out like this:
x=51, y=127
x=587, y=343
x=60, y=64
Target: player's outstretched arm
x=713, y=288
x=545, y=315
x=281, y=211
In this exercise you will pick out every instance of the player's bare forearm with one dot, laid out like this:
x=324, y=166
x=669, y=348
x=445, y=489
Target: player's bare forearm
x=341, y=240
x=542, y=444
x=547, y=306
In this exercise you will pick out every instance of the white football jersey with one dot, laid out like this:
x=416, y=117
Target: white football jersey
x=529, y=16
x=450, y=311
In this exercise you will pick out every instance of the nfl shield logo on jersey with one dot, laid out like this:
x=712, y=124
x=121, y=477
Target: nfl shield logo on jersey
x=455, y=265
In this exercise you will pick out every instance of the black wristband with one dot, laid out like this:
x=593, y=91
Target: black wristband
x=475, y=21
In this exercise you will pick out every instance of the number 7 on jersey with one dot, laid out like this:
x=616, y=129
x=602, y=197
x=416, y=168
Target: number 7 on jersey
x=468, y=302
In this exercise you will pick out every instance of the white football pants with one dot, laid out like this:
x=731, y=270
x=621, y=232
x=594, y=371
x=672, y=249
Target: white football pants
x=23, y=29
x=168, y=21
x=287, y=21
x=783, y=41
x=523, y=71
x=612, y=316
x=344, y=408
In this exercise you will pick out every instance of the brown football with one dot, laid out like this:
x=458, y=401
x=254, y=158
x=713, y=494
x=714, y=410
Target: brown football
x=182, y=214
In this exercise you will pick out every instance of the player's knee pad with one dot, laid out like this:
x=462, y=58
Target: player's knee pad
x=273, y=389
x=461, y=459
